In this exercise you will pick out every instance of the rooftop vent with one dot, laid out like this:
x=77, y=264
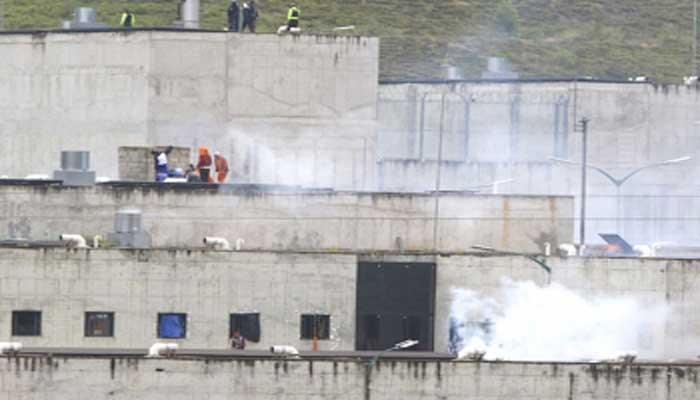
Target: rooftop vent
x=74, y=169
x=83, y=18
x=499, y=68
x=128, y=232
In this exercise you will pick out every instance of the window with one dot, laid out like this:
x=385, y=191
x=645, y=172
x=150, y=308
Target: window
x=99, y=324
x=315, y=326
x=247, y=324
x=172, y=325
x=26, y=323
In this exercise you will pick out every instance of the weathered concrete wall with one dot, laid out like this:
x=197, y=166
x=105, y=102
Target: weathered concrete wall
x=138, y=164
x=496, y=131
x=120, y=378
x=289, y=109
x=208, y=286
x=136, y=285
x=181, y=216
x=655, y=284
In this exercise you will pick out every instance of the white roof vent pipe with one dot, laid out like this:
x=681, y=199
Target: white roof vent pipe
x=10, y=347
x=216, y=243
x=162, y=349
x=73, y=240
x=284, y=351
x=567, y=250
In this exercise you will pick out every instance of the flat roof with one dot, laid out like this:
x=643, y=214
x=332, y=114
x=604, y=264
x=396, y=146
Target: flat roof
x=351, y=356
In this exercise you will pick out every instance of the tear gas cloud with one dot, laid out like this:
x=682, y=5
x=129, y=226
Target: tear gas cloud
x=552, y=323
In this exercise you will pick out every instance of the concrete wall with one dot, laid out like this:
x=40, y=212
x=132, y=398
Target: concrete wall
x=289, y=109
x=208, y=286
x=122, y=378
x=496, y=131
x=290, y=219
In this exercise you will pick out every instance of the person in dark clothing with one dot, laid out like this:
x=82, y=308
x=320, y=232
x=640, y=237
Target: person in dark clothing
x=233, y=16
x=237, y=341
x=250, y=16
x=160, y=159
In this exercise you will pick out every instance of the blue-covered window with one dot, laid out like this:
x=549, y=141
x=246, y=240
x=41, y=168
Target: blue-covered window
x=172, y=325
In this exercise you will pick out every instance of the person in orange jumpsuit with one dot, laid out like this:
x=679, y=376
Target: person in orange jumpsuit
x=204, y=165
x=221, y=166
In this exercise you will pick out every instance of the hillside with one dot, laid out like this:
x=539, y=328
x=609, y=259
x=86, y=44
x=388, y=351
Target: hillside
x=542, y=38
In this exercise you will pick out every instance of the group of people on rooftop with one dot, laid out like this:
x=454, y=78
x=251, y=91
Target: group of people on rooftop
x=202, y=172
x=234, y=11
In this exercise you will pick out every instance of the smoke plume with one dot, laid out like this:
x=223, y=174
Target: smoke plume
x=551, y=323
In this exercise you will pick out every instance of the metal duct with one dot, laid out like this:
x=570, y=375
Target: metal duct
x=190, y=14
x=128, y=232
x=75, y=160
x=127, y=221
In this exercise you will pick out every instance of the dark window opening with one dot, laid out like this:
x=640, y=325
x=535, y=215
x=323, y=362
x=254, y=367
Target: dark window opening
x=172, y=325
x=26, y=323
x=99, y=324
x=247, y=324
x=315, y=326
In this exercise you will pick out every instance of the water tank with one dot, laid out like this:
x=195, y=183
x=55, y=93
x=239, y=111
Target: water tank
x=127, y=221
x=75, y=160
x=85, y=15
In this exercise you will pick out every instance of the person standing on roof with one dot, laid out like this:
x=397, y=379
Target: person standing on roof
x=160, y=159
x=204, y=165
x=221, y=166
x=292, y=17
x=128, y=20
x=233, y=16
x=250, y=16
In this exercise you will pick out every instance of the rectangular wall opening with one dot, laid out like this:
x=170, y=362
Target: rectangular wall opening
x=395, y=302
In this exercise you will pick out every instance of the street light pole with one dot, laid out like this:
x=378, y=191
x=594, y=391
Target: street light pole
x=695, y=38
x=405, y=344
x=584, y=162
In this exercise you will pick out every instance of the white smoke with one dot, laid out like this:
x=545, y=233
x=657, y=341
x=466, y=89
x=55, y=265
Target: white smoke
x=551, y=323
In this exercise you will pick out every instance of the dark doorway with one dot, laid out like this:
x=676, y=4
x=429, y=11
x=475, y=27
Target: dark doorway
x=395, y=301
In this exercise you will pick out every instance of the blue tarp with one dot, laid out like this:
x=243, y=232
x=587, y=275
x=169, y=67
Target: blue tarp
x=171, y=326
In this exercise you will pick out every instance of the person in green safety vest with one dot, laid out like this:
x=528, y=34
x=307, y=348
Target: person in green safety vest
x=128, y=20
x=292, y=17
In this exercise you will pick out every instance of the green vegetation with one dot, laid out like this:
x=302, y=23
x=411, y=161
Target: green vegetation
x=542, y=38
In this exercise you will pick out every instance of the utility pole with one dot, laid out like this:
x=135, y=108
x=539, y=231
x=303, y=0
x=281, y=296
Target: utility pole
x=438, y=176
x=695, y=38
x=584, y=167
x=2, y=15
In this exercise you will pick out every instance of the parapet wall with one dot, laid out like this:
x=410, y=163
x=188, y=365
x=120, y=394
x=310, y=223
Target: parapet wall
x=282, y=109
x=128, y=378
x=181, y=215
